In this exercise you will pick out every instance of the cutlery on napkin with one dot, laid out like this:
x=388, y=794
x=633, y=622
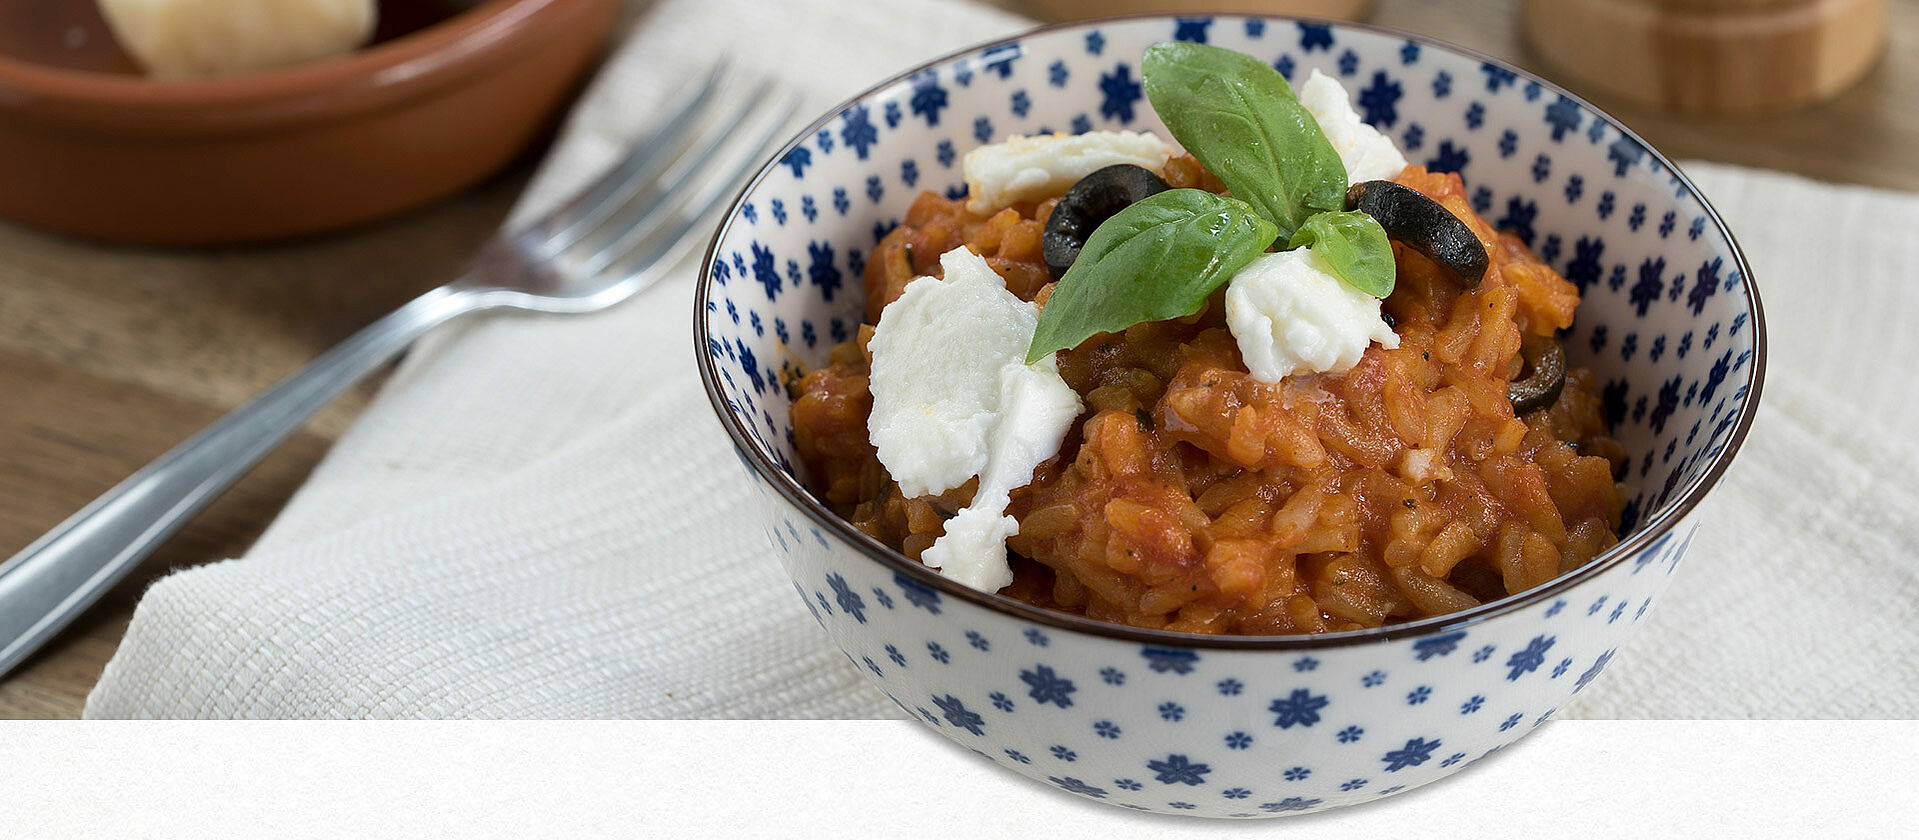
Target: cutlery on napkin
x=537, y=517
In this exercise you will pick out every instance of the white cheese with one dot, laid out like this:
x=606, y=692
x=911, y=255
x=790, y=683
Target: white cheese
x=1043, y=166
x=1290, y=315
x=188, y=38
x=1368, y=155
x=953, y=398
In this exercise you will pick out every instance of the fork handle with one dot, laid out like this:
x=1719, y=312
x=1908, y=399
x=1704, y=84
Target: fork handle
x=63, y=572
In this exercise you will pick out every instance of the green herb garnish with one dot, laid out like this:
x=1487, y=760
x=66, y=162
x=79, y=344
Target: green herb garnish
x=1240, y=118
x=1354, y=246
x=1157, y=259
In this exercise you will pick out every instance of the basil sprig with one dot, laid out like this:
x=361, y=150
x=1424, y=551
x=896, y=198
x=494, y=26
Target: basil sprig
x=1157, y=259
x=1354, y=246
x=1240, y=118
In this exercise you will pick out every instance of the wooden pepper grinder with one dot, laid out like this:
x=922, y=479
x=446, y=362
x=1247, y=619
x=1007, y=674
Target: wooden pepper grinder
x=1726, y=57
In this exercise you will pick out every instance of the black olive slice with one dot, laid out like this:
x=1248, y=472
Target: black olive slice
x=1424, y=225
x=1542, y=377
x=1093, y=200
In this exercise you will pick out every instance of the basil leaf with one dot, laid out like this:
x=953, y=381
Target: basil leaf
x=1240, y=118
x=1354, y=245
x=1157, y=259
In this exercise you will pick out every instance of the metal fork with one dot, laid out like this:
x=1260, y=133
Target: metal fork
x=610, y=240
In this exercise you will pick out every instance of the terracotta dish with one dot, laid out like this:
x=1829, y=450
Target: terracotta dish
x=438, y=102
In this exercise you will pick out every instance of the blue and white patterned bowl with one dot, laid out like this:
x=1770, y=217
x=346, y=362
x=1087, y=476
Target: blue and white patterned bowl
x=1241, y=727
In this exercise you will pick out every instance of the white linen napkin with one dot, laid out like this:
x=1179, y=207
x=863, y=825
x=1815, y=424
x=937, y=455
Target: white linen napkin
x=534, y=518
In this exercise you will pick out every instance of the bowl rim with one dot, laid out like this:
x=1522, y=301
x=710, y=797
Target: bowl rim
x=1656, y=530
x=369, y=78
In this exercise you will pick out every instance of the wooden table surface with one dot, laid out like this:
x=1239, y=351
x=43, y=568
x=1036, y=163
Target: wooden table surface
x=110, y=355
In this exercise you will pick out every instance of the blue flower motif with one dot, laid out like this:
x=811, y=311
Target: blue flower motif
x=1563, y=115
x=963, y=74
x=1106, y=729
x=1510, y=722
x=825, y=140
x=929, y=716
x=938, y=653
x=1081, y=124
x=1035, y=637
x=1624, y=153
x=1305, y=663
x=1666, y=223
x=1497, y=77
x=1191, y=29
x=1000, y=59
x=1529, y=659
x=1409, y=52
x=1296, y=773
x=1236, y=793
x=918, y=594
x=1419, y=695
x=1174, y=660
x=1416, y=752
x=892, y=114
x=1597, y=666
x=983, y=130
x=871, y=666
x=1057, y=74
x=1112, y=676
x=1698, y=227
x=849, y=601
x=1532, y=91
x=858, y=131
x=1177, y=769
x=1519, y=218
x=1575, y=187
x=1095, y=42
x=1616, y=612
x=929, y=98
x=1560, y=669
x=977, y=641
x=1652, y=281
x=1442, y=85
x=1018, y=756
x=840, y=202
x=826, y=276
x=894, y=654
x=1542, y=167
x=1048, y=687
x=1001, y=701
x=1127, y=784
x=1021, y=103
x=1415, y=136
x=1475, y=116
x=1352, y=784
x=1284, y=64
x=1350, y=734
x=1119, y=92
x=958, y=715
x=1508, y=143
x=1637, y=218
x=1315, y=36
x=1171, y=711
x=1072, y=785
x=874, y=190
x=1238, y=741
x=798, y=157
x=1379, y=101
x=809, y=208
x=1291, y=803
x=1301, y=708
x=1438, y=645
x=763, y=271
x=1373, y=679
x=1453, y=759
x=1230, y=687
x=1183, y=806
x=1063, y=754
x=1482, y=200
x=1255, y=28
x=751, y=213
x=1451, y=158
x=856, y=263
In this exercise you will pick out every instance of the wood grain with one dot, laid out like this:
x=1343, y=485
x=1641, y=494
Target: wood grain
x=108, y=356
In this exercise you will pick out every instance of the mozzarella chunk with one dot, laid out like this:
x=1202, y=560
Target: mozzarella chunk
x=1046, y=165
x=954, y=398
x=1368, y=155
x=189, y=38
x=1290, y=315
